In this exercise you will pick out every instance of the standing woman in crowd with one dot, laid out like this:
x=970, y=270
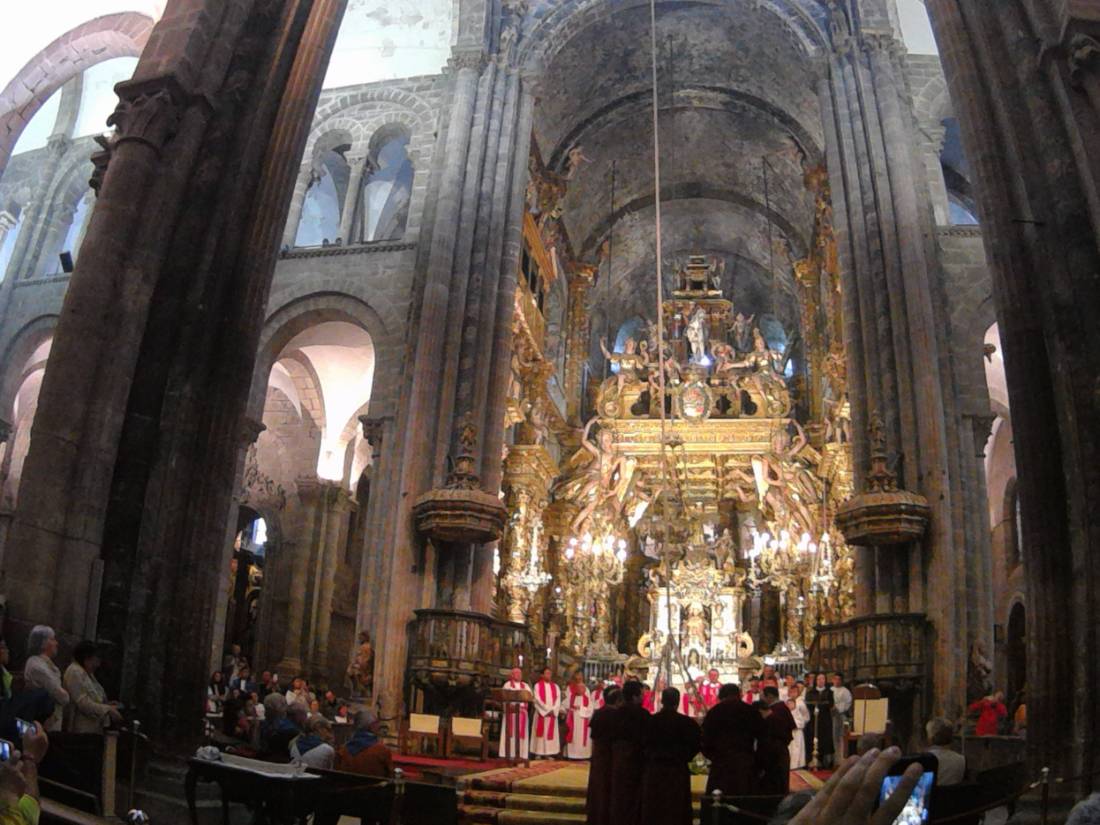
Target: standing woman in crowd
x=41, y=672
x=88, y=710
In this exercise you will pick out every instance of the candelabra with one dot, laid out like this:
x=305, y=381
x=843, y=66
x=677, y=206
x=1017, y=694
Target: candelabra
x=785, y=563
x=532, y=578
x=592, y=567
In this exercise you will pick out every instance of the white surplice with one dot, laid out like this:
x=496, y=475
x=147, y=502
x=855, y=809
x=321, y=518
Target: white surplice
x=514, y=714
x=580, y=707
x=545, y=740
x=801, y=715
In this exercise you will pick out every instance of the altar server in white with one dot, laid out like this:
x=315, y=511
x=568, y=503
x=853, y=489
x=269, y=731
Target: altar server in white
x=515, y=715
x=545, y=740
x=801, y=715
x=579, y=709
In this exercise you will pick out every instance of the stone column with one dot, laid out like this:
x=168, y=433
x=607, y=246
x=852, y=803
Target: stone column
x=336, y=505
x=360, y=168
x=249, y=432
x=406, y=577
x=131, y=464
x=309, y=493
x=1022, y=76
x=899, y=362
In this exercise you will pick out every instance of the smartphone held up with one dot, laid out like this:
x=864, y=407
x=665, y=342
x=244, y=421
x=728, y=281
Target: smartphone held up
x=918, y=808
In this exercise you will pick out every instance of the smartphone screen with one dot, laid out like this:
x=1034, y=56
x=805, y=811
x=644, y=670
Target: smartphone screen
x=916, y=808
x=24, y=727
x=5, y=750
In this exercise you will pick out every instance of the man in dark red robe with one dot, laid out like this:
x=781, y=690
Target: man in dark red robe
x=730, y=732
x=672, y=743
x=628, y=739
x=601, y=729
x=773, y=751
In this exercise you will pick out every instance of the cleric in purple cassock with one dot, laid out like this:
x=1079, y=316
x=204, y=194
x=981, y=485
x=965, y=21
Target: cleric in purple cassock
x=602, y=730
x=627, y=755
x=730, y=732
x=773, y=751
x=672, y=742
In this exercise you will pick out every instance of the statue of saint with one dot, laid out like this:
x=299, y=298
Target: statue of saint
x=697, y=335
x=695, y=627
x=360, y=673
x=630, y=362
x=593, y=476
x=742, y=332
x=725, y=360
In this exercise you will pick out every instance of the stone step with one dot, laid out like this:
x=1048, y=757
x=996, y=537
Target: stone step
x=524, y=802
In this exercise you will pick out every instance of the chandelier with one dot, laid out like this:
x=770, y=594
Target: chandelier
x=605, y=551
x=782, y=560
x=532, y=578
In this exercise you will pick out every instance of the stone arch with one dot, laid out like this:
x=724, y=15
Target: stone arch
x=17, y=354
x=114, y=35
x=569, y=17
x=294, y=317
x=398, y=98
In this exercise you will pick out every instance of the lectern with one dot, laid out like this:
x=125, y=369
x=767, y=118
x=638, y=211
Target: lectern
x=513, y=704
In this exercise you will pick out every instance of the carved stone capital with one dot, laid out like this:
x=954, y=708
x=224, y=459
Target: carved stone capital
x=1084, y=57
x=148, y=111
x=983, y=428
x=373, y=430
x=879, y=43
x=473, y=58
x=250, y=430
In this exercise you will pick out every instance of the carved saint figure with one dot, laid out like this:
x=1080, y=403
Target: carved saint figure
x=725, y=360
x=695, y=627
x=742, y=332
x=697, y=335
x=631, y=363
x=574, y=161
x=360, y=673
x=593, y=476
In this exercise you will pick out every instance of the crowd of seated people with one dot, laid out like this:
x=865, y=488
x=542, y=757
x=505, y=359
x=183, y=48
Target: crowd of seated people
x=292, y=723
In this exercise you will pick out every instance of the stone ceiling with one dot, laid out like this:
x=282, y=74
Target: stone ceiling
x=737, y=85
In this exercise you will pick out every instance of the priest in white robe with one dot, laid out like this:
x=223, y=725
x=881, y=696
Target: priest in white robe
x=545, y=740
x=579, y=709
x=515, y=715
x=801, y=715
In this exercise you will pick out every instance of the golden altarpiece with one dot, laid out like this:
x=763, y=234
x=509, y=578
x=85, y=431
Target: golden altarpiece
x=700, y=507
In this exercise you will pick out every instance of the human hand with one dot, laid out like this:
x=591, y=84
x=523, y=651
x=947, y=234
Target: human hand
x=114, y=715
x=848, y=798
x=35, y=744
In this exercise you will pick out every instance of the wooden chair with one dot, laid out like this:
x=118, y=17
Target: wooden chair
x=420, y=728
x=466, y=731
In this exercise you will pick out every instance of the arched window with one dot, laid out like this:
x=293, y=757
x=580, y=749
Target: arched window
x=320, y=221
x=960, y=213
x=79, y=226
x=383, y=208
x=7, y=247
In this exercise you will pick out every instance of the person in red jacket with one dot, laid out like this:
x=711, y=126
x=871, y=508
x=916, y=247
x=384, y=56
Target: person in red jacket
x=991, y=710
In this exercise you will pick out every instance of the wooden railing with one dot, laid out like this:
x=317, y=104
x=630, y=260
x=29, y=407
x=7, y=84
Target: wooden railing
x=883, y=647
x=460, y=655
